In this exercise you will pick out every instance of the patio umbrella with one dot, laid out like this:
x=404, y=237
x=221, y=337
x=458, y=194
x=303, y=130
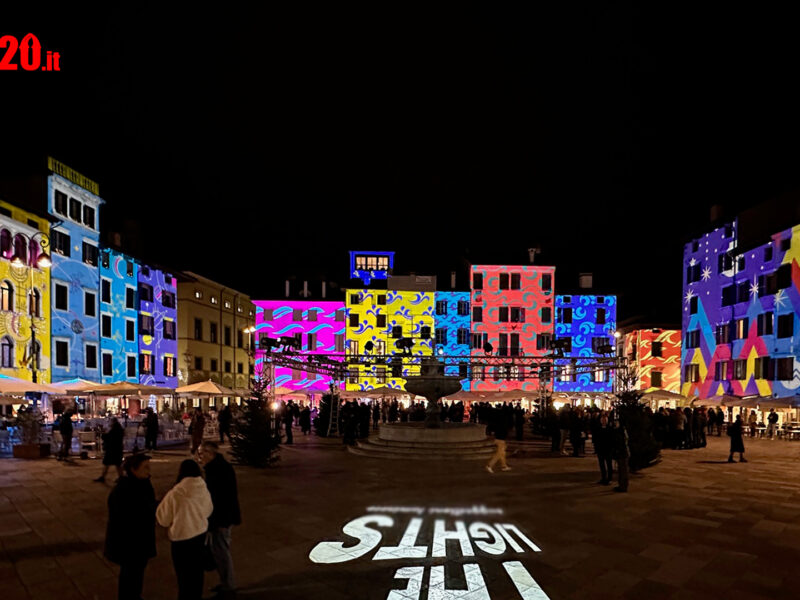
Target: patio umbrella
x=724, y=400
x=206, y=387
x=126, y=388
x=12, y=385
x=76, y=386
x=382, y=392
x=465, y=395
x=9, y=400
x=678, y=399
x=766, y=403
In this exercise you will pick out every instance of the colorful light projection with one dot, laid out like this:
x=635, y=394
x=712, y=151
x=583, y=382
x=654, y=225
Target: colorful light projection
x=383, y=317
x=499, y=291
x=321, y=326
x=588, y=321
x=370, y=265
x=119, y=276
x=15, y=316
x=740, y=308
x=162, y=344
x=73, y=244
x=666, y=359
x=452, y=322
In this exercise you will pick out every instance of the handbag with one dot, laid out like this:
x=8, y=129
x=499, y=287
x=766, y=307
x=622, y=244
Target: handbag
x=209, y=564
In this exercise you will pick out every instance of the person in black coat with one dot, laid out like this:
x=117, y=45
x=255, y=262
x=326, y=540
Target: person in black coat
x=65, y=428
x=305, y=420
x=221, y=482
x=224, y=420
x=131, y=531
x=150, y=429
x=737, y=443
x=112, y=449
x=620, y=453
x=603, y=445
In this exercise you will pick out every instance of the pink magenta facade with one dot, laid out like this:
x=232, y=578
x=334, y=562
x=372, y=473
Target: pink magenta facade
x=321, y=330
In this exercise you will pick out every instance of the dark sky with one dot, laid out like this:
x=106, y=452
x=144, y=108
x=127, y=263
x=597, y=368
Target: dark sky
x=602, y=133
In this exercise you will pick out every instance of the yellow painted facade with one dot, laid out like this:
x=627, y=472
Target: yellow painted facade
x=410, y=311
x=15, y=317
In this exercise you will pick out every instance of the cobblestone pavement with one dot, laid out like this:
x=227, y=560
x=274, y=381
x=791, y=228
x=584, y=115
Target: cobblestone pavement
x=693, y=526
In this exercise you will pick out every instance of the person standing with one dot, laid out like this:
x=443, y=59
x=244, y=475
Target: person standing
x=563, y=424
x=288, y=417
x=224, y=419
x=603, y=447
x=112, y=449
x=305, y=420
x=376, y=415
x=498, y=425
x=198, y=427
x=772, y=421
x=221, y=483
x=150, y=429
x=737, y=443
x=752, y=421
x=184, y=511
x=620, y=453
x=65, y=428
x=131, y=531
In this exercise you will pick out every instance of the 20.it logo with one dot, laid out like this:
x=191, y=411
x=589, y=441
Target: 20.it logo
x=31, y=55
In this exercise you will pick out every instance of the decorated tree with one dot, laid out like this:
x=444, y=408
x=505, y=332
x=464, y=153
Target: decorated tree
x=253, y=439
x=634, y=416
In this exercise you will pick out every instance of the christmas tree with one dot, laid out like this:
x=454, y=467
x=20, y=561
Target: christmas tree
x=253, y=439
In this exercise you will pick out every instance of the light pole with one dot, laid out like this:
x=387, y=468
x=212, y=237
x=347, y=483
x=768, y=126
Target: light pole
x=42, y=261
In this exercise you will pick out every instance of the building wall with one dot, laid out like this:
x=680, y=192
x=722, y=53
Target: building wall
x=122, y=273
x=586, y=334
x=16, y=323
x=74, y=325
x=531, y=296
x=409, y=310
x=158, y=345
x=703, y=312
x=638, y=347
x=323, y=320
x=451, y=321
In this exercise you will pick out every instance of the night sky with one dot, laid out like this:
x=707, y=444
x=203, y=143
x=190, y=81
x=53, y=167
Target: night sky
x=602, y=134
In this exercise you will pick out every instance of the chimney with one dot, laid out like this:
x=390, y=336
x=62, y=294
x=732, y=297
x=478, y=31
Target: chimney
x=305, y=289
x=585, y=281
x=323, y=290
x=287, y=288
x=452, y=280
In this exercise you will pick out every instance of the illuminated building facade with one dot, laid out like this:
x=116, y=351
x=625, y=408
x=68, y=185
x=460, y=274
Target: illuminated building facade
x=655, y=354
x=75, y=275
x=584, y=331
x=452, y=329
x=158, y=328
x=119, y=316
x=512, y=311
x=318, y=326
x=378, y=319
x=740, y=315
x=369, y=266
x=24, y=296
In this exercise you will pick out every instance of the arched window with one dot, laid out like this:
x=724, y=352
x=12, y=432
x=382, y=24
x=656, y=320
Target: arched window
x=7, y=353
x=33, y=246
x=34, y=303
x=21, y=248
x=5, y=243
x=36, y=354
x=6, y=296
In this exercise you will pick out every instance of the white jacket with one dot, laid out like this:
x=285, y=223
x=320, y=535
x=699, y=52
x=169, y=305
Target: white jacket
x=185, y=509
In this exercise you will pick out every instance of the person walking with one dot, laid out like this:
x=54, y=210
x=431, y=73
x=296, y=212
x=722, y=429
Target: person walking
x=498, y=425
x=603, y=447
x=131, y=531
x=737, y=443
x=752, y=421
x=563, y=424
x=305, y=420
x=224, y=420
x=288, y=418
x=198, y=426
x=112, y=449
x=184, y=511
x=65, y=428
x=620, y=453
x=150, y=429
x=772, y=423
x=221, y=483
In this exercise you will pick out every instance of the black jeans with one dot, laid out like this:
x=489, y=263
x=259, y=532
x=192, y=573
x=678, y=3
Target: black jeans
x=187, y=558
x=606, y=466
x=131, y=579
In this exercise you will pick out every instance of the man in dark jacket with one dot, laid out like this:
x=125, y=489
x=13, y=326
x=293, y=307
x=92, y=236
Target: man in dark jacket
x=221, y=482
x=150, y=429
x=601, y=438
x=224, y=419
x=620, y=453
x=65, y=428
x=131, y=532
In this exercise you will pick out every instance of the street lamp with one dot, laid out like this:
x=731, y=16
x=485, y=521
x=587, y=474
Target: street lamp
x=43, y=262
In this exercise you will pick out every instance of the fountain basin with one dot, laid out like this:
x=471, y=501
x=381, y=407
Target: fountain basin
x=445, y=434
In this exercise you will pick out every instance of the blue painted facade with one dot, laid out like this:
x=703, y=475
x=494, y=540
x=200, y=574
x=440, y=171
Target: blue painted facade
x=369, y=266
x=118, y=302
x=158, y=328
x=75, y=280
x=589, y=322
x=452, y=328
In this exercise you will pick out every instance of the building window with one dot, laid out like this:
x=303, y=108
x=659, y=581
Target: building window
x=768, y=254
x=130, y=330
x=130, y=298
x=198, y=329
x=441, y=336
x=108, y=366
x=784, y=276
x=479, y=340
x=547, y=282
x=129, y=268
x=74, y=210
x=5, y=243
x=762, y=368
x=297, y=315
x=169, y=366
x=566, y=315
x=213, y=333
x=105, y=291
x=655, y=349
x=691, y=373
x=90, y=254
x=477, y=314
x=601, y=316
x=477, y=281
x=339, y=341
x=784, y=369
x=7, y=353
x=167, y=299
x=88, y=216
x=240, y=368
x=740, y=369
x=6, y=296
x=198, y=294
x=62, y=295
x=517, y=315
x=131, y=366
x=503, y=284
x=786, y=244
x=425, y=332
x=655, y=379
x=380, y=321
x=462, y=335
x=227, y=305
x=547, y=314
x=61, y=243
x=146, y=364
x=397, y=332
x=146, y=292
x=352, y=375
x=198, y=363
x=228, y=335
x=477, y=372
x=105, y=259
x=91, y=356
x=339, y=316
x=722, y=333
x=764, y=324
x=146, y=325
x=312, y=314
x=441, y=307
x=90, y=304
x=693, y=305
x=729, y=230
x=380, y=374
x=742, y=326
x=721, y=371
x=544, y=341
x=62, y=353
x=105, y=326
x=352, y=347
x=240, y=339
x=354, y=320
x=169, y=329
x=355, y=298
x=61, y=203
x=463, y=308
x=514, y=350
x=743, y=291
x=381, y=299
x=724, y=262
x=145, y=271
x=693, y=339
x=311, y=342
x=503, y=314
x=786, y=326
x=516, y=281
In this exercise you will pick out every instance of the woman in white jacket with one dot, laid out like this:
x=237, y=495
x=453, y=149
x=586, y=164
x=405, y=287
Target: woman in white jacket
x=185, y=511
